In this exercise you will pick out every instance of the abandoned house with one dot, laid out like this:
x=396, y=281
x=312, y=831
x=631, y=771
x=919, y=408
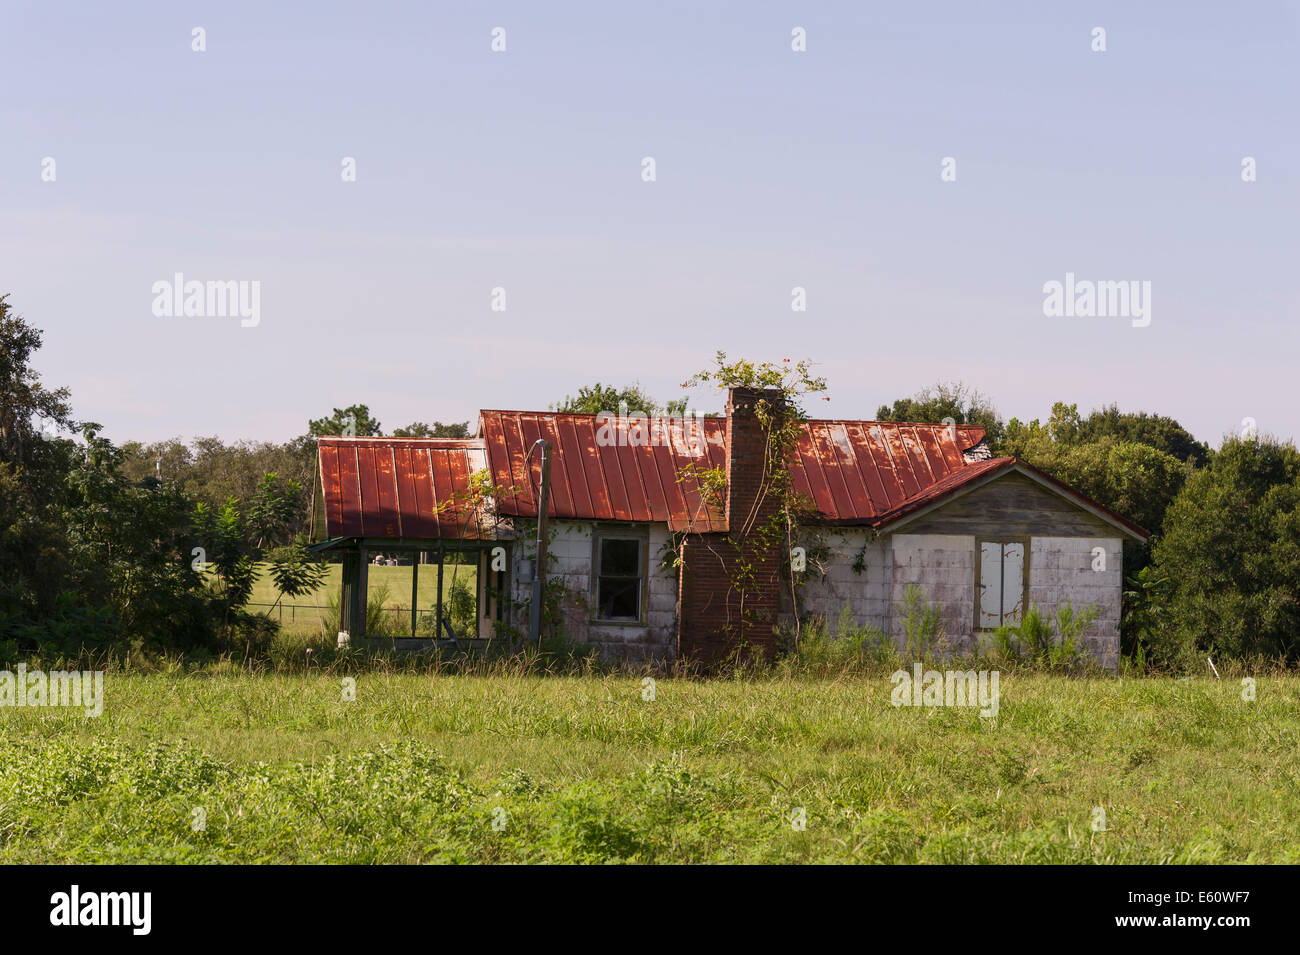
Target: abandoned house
x=646, y=559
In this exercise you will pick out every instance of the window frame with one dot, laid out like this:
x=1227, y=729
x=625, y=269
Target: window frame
x=602, y=533
x=1002, y=541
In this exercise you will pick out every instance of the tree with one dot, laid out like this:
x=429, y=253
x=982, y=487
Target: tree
x=214, y=472
x=1155, y=431
x=273, y=509
x=354, y=421
x=418, y=429
x=33, y=467
x=598, y=398
x=1230, y=554
x=170, y=460
x=91, y=556
x=235, y=538
x=22, y=395
x=944, y=400
x=1129, y=477
x=125, y=544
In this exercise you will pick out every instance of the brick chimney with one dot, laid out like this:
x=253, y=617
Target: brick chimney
x=716, y=614
x=746, y=455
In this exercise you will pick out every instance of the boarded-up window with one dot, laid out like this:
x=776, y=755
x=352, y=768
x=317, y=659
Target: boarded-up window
x=621, y=567
x=1000, y=586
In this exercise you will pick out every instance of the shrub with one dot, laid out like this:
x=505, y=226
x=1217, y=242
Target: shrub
x=1231, y=555
x=1051, y=643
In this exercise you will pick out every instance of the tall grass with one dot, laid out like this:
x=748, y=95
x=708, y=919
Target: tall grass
x=588, y=769
x=1049, y=643
x=378, y=619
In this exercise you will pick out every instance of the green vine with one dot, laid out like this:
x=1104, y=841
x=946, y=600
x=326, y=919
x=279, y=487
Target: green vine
x=752, y=538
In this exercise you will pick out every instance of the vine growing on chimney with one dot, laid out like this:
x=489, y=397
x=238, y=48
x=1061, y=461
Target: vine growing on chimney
x=770, y=524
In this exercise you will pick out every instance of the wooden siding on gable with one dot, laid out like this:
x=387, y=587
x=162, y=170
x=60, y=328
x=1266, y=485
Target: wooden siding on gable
x=1010, y=506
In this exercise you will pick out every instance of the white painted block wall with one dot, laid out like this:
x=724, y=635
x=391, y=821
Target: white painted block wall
x=943, y=567
x=570, y=553
x=1061, y=569
x=1065, y=569
x=832, y=584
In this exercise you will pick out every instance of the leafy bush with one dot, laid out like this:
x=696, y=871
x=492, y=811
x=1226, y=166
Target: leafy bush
x=1231, y=556
x=1050, y=643
x=70, y=626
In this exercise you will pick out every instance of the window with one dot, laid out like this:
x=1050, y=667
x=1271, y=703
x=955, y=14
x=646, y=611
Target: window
x=620, y=563
x=1000, y=583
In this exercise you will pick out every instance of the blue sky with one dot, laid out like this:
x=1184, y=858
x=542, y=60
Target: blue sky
x=775, y=169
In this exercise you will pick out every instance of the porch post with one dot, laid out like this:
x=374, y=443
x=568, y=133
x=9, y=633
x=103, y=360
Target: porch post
x=437, y=627
x=360, y=597
x=346, y=585
x=415, y=587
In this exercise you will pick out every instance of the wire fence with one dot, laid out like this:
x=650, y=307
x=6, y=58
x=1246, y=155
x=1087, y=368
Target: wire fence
x=314, y=613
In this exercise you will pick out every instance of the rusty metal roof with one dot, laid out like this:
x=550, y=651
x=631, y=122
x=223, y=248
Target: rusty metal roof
x=401, y=487
x=855, y=472
x=617, y=470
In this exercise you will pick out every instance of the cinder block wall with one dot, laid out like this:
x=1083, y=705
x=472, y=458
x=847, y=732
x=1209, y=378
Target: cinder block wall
x=1060, y=569
x=835, y=585
x=1065, y=569
x=943, y=567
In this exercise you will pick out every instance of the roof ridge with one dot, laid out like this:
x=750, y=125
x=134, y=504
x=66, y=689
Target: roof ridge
x=900, y=424
x=461, y=442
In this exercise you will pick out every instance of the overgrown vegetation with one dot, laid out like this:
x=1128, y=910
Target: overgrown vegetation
x=92, y=559
x=223, y=766
x=770, y=525
x=1053, y=643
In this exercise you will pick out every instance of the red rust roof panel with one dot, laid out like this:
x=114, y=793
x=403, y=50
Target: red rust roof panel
x=603, y=468
x=853, y=472
x=398, y=487
x=857, y=471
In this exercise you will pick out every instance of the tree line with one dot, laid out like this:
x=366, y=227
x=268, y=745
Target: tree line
x=154, y=546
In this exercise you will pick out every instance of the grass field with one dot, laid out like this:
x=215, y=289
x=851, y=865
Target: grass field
x=302, y=614
x=526, y=768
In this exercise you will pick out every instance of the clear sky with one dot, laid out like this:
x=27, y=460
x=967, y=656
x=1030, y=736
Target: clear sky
x=774, y=169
